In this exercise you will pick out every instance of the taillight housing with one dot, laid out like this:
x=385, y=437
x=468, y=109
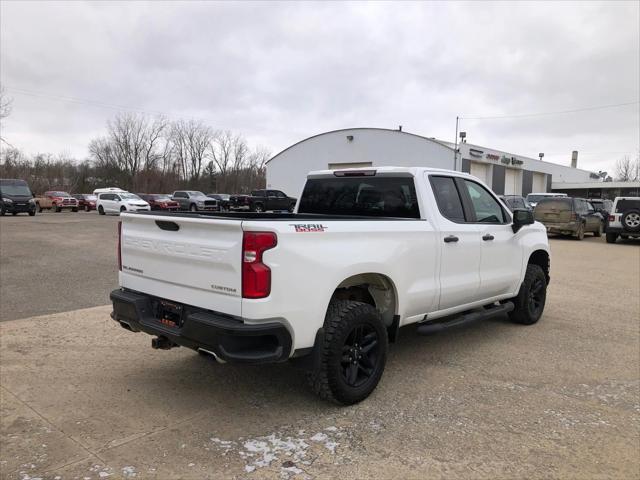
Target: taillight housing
x=256, y=276
x=612, y=218
x=120, y=245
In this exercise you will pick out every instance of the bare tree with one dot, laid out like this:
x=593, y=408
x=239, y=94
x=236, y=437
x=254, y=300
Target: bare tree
x=627, y=170
x=6, y=104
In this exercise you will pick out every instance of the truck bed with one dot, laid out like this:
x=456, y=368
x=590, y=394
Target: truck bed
x=269, y=216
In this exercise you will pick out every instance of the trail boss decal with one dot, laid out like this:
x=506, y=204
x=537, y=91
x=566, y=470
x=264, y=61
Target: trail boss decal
x=308, y=227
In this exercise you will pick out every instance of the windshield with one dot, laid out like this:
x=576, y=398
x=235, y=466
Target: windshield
x=197, y=194
x=59, y=194
x=90, y=197
x=161, y=198
x=17, y=189
x=129, y=196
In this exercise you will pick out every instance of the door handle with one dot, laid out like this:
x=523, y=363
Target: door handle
x=450, y=238
x=488, y=236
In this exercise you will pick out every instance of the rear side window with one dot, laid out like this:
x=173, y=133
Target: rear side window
x=365, y=196
x=624, y=205
x=447, y=198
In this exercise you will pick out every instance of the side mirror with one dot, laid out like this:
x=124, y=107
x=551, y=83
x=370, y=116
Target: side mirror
x=521, y=217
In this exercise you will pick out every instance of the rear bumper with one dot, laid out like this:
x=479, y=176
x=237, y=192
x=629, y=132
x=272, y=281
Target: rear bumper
x=621, y=231
x=568, y=228
x=229, y=338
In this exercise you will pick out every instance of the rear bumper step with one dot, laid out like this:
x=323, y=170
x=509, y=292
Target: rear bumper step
x=230, y=339
x=474, y=316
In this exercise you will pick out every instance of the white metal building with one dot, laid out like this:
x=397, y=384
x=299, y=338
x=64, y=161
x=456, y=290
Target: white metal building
x=364, y=147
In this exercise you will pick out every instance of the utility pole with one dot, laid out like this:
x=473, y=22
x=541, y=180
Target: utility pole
x=455, y=148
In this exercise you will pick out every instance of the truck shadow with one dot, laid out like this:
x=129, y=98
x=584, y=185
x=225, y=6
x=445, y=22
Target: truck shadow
x=195, y=380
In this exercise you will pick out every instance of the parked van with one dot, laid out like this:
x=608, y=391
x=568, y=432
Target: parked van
x=118, y=202
x=16, y=197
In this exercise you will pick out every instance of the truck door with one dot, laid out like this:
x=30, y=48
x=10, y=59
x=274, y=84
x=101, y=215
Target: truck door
x=501, y=252
x=460, y=246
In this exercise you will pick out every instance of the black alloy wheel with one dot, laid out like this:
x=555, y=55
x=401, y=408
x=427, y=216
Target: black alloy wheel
x=360, y=355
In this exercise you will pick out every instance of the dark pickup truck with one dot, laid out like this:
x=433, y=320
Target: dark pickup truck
x=262, y=201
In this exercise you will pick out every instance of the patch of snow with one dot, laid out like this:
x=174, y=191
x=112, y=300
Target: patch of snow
x=319, y=437
x=129, y=471
x=249, y=468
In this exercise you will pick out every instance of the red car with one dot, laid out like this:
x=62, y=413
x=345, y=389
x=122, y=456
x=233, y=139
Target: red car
x=86, y=201
x=159, y=201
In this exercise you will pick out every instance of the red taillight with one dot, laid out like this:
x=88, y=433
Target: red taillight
x=256, y=276
x=612, y=218
x=120, y=246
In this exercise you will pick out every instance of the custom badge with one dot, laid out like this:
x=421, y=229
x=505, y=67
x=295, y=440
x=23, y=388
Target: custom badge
x=308, y=227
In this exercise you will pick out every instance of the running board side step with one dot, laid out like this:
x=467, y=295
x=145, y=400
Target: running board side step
x=473, y=316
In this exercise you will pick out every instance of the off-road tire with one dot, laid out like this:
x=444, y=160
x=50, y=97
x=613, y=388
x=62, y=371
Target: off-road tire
x=598, y=232
x=611, y=237
x=631, y=220
x=526, y=312
x=32, y=213
x=258, y=208
x=327, y=376
x=100, y=210
x=579, y=235
x=193, y=207
x=1, y=210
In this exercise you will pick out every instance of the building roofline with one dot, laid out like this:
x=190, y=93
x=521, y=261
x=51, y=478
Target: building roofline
x=358, y=128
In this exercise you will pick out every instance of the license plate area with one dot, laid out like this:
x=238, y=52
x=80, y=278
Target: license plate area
x=168, y=313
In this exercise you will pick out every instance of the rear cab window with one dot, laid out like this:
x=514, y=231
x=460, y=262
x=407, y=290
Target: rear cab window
x=555, y=203
x=370, y=196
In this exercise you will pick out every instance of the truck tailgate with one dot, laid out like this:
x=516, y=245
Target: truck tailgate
x=196, y=261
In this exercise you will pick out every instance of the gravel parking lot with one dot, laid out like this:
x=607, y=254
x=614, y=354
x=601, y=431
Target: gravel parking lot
x=55, y=262
x=83, y=398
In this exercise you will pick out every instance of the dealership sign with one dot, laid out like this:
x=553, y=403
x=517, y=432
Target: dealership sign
x=513, y=161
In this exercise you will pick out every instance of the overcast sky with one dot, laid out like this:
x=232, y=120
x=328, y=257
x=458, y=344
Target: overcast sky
x=280, y=72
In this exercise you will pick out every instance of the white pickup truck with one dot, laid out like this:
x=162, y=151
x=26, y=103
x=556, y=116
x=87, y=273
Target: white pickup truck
x=367, y=251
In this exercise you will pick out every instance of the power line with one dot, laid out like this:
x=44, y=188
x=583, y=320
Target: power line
x=559, y=112
x=95, y=103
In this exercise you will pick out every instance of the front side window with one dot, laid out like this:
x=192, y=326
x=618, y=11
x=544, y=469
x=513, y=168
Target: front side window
x=486, y=208
x=448, y=198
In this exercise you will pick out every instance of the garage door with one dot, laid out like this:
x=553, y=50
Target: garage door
x=480, y=170
x=512, y=184
x=539, y=183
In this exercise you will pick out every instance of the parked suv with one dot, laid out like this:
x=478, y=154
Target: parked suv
x=194, y=201
x=16, y=197
x=121, y=202
x=569, y=216
x=222, y=198
x=624, y=220
x=57, y=201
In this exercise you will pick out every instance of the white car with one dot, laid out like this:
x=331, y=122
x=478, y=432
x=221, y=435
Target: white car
x=534, y=198
x=366, y=252
x=120, y=202
x=624, y=219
